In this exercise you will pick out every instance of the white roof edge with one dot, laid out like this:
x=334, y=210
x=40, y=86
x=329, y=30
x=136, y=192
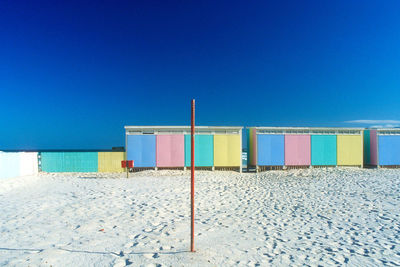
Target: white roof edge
x=307, y=128
x=184, y=127
x=397, y=130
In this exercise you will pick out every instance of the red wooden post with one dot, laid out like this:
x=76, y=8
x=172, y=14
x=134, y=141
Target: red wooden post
x=192, y=181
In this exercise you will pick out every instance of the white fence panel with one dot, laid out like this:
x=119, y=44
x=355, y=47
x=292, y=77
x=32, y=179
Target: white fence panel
x=9, y=164
x=28, y=163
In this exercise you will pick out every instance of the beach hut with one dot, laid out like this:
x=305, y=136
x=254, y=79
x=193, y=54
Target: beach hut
x=297, y=147
x=382, y=147
x=166, y=147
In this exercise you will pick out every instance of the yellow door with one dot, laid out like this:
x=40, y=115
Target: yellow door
x=349, y=150
x=227, y=150
x=111, y=161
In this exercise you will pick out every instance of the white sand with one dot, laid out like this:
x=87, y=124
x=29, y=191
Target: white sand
x=301, y=217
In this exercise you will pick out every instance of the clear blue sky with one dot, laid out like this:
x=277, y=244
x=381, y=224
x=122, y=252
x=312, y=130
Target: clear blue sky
x=73, y=74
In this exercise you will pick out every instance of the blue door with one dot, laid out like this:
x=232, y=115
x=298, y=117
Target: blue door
x=270, y=149
x=389, y=150
x=142, y=150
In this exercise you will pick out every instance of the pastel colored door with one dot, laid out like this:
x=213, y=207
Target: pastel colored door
x=323, y=150
x=297, y=150
x=367, y=147
x=251, y=147
x=142, y=150
x=204, y=150
x=389, y=150
x=373, y=156
x=111, y=161
x=227, y=150
x=170, y=150
x=270, y=150
x=349, y=150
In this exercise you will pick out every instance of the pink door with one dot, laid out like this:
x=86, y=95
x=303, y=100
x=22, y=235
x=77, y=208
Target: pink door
x=170, y=150
x=297, y=150
x=373, y=148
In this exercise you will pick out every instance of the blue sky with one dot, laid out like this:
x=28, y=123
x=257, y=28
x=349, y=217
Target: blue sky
x=73, y=74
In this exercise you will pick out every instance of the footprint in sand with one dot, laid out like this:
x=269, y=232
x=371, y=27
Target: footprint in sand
x=151, y=255
x=166, y=233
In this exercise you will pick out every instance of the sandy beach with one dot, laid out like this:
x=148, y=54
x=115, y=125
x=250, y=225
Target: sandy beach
x=310, y=217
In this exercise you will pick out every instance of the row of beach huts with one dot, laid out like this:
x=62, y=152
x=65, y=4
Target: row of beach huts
x=220, y=148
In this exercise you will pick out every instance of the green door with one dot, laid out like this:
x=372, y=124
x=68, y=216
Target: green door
x=367, y=147
x=204, y=150
x=323, y=150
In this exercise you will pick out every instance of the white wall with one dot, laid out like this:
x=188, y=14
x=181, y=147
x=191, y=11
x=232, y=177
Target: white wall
x=14, y=164
x=28, y=163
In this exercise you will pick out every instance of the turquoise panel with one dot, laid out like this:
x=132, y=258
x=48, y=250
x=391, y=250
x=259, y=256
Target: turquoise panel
x=204, y=150
x=52, y=161
x=249, y=148
x=81, y=161
x=323, y=150
x=69, y=161
x=367, y=147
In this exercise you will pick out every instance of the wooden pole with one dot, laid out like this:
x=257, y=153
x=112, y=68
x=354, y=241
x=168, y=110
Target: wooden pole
x=192, y=181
